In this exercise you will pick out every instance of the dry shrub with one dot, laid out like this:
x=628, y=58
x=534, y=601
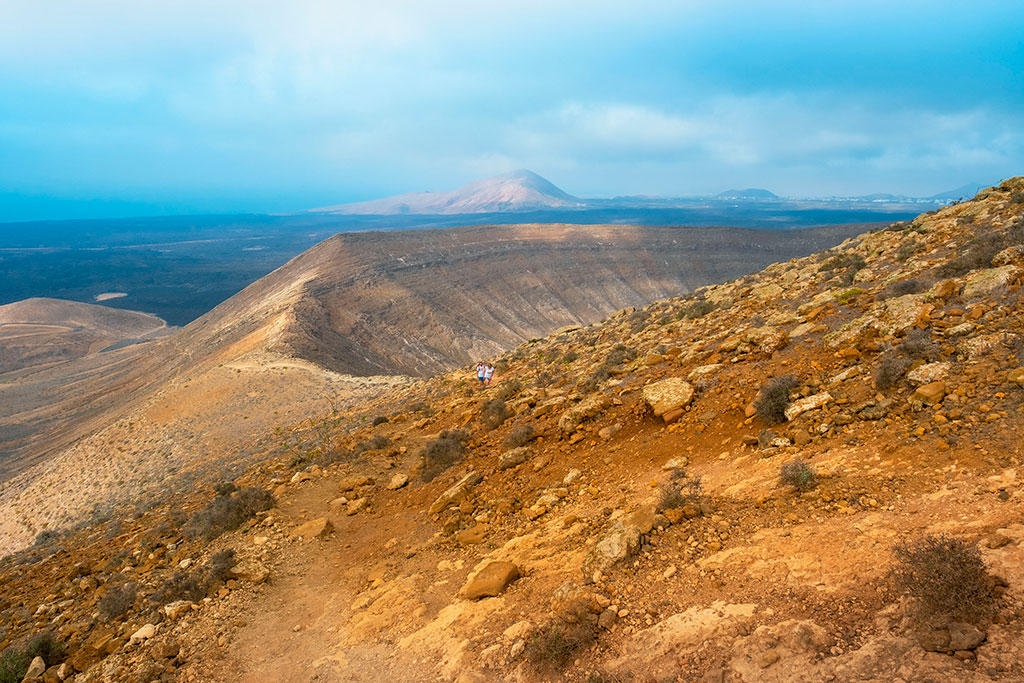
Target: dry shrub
x=799, y=475
x=494, y=413
x=908, y=249
x=918, y=344
x=117, y=600
x=555, y=645
x=676, y=494
x=443, y=452
x=194, y=586
x=228, y=512
x=374, y=443
x=946, y=577
x=620, y=353
x=380, y=420
x=698, y=309
x=773, y=399
x=520, y=436
x=890, y=371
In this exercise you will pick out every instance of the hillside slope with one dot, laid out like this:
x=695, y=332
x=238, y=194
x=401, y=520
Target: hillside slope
x=710, y=488
x=424, y=301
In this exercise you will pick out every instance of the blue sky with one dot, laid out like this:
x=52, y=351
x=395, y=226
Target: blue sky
x=135, y=107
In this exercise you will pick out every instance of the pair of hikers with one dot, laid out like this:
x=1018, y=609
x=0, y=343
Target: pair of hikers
x=484, y=373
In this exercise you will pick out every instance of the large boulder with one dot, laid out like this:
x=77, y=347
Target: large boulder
x=317, y=528
x=667, y=395
x=768, y=339
x=490, y=581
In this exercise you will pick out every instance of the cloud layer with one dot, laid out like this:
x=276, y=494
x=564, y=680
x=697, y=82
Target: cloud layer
x=134, y=107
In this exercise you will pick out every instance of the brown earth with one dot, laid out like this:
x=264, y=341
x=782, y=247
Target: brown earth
x=630, y=570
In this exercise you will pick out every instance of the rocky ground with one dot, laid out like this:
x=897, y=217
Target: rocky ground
x=710, y=488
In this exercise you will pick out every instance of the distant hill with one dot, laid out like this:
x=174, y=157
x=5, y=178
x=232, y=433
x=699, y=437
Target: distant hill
x=517, y=191
x=749, y=193
x=40, y=331
x=963, y=192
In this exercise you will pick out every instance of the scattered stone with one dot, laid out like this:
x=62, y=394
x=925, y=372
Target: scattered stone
x=585, y=410
x=472, y=536
x=608, y=432
x=356, y=506
x=456, y=494
x=35, y=669
x=398, y=481
x=1016, y=376
x=667, y=395
x=490, y=581
x=513, y=458
x=317, y=528
x=144, y=633
x=620, y=541
x=990, y=281
x=174, y=610
x=928, y=373
x=930, y=394
x=964, y=636
x=678, y=463
x=803, y=405
x=351, y=483
x=300, y=477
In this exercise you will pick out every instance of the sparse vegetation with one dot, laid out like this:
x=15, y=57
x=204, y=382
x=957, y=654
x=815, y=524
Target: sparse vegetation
x=919, y=344
x=443, y=452
x=773, y=399
x=799, y=475
x=196, y=585
x=847, y=262
x=890, y=371
x=556, y=644
x=908, y=249
x=374, y=443
x=903, y=287
x=678, y=494
x=380, y=420
x=978, y=253
x=228, y=512
x=620, y=353
x=520, y=436
x=698, y=309
x=117, y=600
x=494, y=413
x=14, y=661
x=945, y=576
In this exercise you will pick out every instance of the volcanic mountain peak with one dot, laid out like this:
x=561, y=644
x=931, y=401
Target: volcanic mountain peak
x=516, y=191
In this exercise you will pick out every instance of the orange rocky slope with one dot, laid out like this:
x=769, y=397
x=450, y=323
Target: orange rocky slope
x=606, y=559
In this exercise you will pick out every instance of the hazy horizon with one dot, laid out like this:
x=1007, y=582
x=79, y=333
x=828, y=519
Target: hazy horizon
x=115, y=109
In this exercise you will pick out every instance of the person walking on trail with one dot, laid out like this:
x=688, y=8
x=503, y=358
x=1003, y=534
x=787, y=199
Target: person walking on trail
x=488, y=374
x=481, y=371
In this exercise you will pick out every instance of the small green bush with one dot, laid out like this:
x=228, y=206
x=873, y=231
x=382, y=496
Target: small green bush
x=443, y=452
x=14, y=661
x=946, y=577
x=799, y=475
x=773, y=399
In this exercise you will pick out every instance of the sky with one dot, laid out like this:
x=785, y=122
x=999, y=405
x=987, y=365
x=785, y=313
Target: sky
x=141, y=107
